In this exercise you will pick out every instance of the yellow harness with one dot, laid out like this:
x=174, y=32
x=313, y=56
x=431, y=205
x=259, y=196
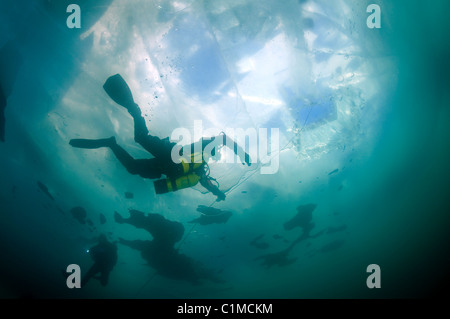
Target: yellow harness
x=196, y=162
x=188, y=179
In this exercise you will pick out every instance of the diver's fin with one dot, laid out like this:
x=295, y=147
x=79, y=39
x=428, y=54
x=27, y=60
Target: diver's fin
x=118, y=90
x=92, y=144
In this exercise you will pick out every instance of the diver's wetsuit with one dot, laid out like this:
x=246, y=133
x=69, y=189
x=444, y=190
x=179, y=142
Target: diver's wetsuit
x=147, y=168
x=161, y=149
x=105, y=258
x=179, y=175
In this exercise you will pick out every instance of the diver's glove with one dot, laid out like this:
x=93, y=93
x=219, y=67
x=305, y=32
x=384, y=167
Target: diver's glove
x=216, y=191
x=220, y=196
x=206, y=182
x=239, y=151
x=246, y=160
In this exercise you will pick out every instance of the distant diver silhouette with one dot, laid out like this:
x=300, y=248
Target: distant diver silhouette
x=160, y=252
x=192, y=169
x=302, y=219
x=211, y=215
x=104, y=255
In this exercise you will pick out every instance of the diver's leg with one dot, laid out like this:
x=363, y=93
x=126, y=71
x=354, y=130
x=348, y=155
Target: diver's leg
x=143, y=167
x=120, y=153
x=136, y=219
x=140, y=128
x=163, y=231
x=146, y=168
x=152, y=144
x=141, y=133
x=118, y=218
x=92, y=144
x=104, y=276
x=91, y=273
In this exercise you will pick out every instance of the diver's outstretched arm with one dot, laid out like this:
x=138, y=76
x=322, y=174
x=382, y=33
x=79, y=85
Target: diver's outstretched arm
x=224, y=139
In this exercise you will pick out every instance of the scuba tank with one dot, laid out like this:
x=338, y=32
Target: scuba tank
x=191, y=175
x=167, y=185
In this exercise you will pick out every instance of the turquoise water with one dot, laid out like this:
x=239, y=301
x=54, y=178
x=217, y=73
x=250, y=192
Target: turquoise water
x=363, y=116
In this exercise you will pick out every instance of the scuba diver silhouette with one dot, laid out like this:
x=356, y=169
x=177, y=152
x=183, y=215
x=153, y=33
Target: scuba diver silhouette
x=104, y=255
x=160, y=252
x=192, y=169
